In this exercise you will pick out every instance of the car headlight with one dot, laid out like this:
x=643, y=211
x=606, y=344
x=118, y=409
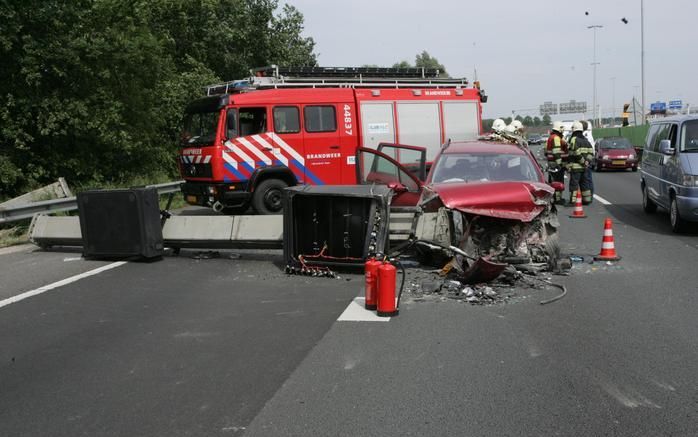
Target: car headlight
x=631, y=156
x=690, y=180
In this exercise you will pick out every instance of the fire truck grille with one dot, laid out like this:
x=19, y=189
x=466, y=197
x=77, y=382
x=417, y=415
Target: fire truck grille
x=197, y=170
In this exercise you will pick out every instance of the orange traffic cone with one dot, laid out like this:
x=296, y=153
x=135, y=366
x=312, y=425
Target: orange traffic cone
x=578, y=210
x=608, y=248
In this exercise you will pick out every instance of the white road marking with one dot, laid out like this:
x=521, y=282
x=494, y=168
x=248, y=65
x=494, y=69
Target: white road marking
x=602, y=200
x=356, y=312
x=45, y=288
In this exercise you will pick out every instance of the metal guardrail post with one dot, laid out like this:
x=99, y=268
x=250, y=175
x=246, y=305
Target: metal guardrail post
x=68, y=204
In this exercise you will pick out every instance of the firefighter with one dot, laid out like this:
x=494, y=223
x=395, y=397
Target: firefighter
x=581, y=156
x=587, y=135
x=555, y=148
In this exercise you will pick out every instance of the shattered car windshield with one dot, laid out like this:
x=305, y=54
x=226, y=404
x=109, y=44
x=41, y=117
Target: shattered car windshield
x=484, y=167
x=200, y=128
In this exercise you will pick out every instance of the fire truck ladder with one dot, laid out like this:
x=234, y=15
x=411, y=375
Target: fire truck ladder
x=337, y=77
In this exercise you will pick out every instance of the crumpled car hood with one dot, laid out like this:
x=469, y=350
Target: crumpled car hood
x=521, y=201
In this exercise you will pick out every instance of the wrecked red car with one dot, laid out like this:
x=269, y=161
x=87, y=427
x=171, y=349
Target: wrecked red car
x=494, y=192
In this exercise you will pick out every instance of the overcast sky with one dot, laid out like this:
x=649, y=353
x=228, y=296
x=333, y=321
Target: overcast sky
x=525, y=52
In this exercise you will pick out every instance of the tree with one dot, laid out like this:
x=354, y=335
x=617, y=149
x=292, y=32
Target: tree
x=536, y=121
x=547, y=121
x=487, y=124
x=527, y=121
x=507, y=120
x=425, y=60
x=403, y=64
x=94, y=90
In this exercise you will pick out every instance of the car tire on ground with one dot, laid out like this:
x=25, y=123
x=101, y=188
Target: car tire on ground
x=677, y=223
x=268, y=196
x=647, y=204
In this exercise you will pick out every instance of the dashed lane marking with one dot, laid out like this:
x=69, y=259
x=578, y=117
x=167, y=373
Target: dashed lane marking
x=356, y=312
x=602, y=200
x=45, y=288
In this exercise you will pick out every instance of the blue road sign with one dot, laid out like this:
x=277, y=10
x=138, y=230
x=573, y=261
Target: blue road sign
x=675, y=104
x=657, y=107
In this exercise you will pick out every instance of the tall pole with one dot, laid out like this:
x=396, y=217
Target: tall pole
x=613, y=100
x=594, y=64
x=642, y=55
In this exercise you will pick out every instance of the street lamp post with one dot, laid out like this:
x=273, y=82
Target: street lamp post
x=613, y=100
x=642, y=55
x=594, y=64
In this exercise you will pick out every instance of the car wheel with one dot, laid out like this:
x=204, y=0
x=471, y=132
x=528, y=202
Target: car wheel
x=647, y=204
x=677, y=223
x=634, y=168
x=268, y=196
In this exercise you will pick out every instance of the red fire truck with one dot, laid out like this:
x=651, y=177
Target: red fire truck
x=249, y=139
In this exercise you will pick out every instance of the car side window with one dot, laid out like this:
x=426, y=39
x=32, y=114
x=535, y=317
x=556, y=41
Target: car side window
x=662, y=134
x=651, y=136
x=286, y=120
x=672, y=134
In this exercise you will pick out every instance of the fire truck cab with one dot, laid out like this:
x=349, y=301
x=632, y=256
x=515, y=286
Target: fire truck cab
x=247, y=140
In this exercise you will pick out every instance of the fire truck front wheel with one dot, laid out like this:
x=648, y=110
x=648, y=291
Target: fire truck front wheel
x=268, y=196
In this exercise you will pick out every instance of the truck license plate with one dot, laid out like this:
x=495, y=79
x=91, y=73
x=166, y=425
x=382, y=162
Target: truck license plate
x=618, y=162
x=191, y=199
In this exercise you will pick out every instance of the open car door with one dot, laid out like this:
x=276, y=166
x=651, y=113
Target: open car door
x=377, y=167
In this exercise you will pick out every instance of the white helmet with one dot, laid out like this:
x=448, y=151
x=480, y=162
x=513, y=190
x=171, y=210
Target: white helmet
x=498, y=125
x=558, y=127
x=577, y=126
x=518, y=126
x=510, y=129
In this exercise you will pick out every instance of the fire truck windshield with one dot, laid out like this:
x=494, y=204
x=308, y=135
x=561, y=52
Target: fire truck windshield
x=200, y=128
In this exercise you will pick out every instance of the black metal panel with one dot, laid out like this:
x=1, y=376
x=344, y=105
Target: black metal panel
x=344, y=224
x=120, y=223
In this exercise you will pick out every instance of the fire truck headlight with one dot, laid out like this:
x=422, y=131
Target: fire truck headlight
x=212, y=190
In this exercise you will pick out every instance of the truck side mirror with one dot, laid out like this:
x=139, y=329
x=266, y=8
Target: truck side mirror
x=665, y=147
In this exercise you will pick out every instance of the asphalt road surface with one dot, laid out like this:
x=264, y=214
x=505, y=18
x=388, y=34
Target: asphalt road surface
x=197, y=346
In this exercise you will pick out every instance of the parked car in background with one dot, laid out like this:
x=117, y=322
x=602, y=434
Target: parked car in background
x=615, y=153
x=536, y=139
x=669, y=176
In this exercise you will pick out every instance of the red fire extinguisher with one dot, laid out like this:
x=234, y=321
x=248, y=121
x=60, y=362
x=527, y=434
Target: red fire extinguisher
x=387, y=274
x=371, y=269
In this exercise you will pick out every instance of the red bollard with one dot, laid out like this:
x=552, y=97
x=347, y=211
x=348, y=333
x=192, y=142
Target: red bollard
x=371, y=269
x=387, y=274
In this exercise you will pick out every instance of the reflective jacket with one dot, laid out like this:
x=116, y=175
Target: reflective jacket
x=555, y=148
x=581, y=153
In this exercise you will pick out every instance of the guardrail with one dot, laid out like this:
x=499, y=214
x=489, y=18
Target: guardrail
x=68, y=204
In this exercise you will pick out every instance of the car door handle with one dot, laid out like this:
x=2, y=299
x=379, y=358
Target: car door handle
x=334, y=147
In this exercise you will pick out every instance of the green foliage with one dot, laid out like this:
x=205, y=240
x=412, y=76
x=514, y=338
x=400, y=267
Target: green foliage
x=547, y=121
x=423, y=60
x=93, y=90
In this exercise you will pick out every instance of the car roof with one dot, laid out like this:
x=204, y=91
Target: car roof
x=675, y=118
x=483, y=147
